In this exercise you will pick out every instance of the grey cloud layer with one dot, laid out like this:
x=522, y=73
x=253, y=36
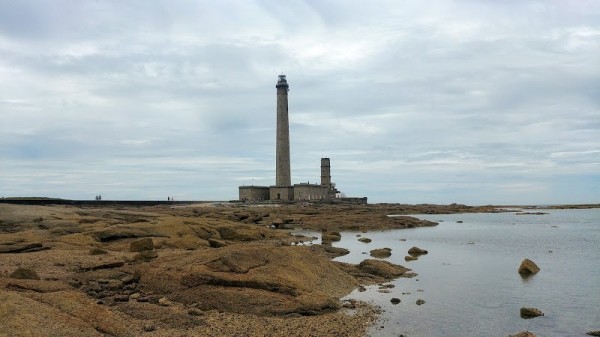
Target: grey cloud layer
x=438, y=101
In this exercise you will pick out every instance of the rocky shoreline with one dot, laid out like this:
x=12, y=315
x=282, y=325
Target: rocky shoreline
x=206, y=269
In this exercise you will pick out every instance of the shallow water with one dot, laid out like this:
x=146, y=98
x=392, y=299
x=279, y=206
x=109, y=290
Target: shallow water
x=469, y=279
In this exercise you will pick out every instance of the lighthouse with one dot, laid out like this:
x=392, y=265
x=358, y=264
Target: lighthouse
x=282, y=155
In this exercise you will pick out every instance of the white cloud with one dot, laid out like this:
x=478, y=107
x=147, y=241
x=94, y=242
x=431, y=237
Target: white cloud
x=435, y=101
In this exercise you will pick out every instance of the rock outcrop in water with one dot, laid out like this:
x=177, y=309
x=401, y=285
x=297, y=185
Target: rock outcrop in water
x=528, y=268
x=416, y=251
x=523, y=334
x=531, y=312
x=381, y=252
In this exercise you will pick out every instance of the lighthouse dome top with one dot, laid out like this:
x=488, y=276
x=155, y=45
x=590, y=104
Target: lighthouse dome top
x=282, y=82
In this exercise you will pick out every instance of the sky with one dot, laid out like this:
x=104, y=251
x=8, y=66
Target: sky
x=416, y=101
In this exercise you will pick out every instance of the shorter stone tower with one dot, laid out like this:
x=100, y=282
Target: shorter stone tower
x=325, y=172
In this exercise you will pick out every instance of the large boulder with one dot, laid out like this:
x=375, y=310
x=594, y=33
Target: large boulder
x=593, y=333
x=528, y=268
x=531, y=312
x=261, y=279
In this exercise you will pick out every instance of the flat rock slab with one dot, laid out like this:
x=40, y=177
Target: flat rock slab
x=102, y=265
x=22, y=247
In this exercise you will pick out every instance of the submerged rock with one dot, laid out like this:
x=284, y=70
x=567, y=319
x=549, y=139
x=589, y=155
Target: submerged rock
x=593, y=333
x=364, y=240
x=531, y=312
x=409, y=258
x=420, y=301
x=528, y=268
x=395, y=300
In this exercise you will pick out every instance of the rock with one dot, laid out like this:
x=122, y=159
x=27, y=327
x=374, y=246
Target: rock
x=420, y=302
x=349, y=304
x=102, y=265
x=21, y=247
x=254, y=278
x=523, y=334
x=113, y=234
x=24, y=274
x=416, y=251
x=278, y=222
x=364, y=240
x=133, y=278
x=331, y=236
x=141, y=245
x=146, y=255
x=121, y=298
x=410, y=258
x=395, y=300
x=214, y=243
x=381, y=252
x=528, y=268
x=531, y=312
x=382, y=268
x=330, y=251
x=239, y=233
x=149, y=328
x=37, y=286
x=98, y=251
x=195, y=312
x=164, y=302
x=134, y=296
x=189, y=242
x=593, y=333
x=361, y=289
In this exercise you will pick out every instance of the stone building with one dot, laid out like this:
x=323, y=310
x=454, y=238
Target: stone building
x=283, y=189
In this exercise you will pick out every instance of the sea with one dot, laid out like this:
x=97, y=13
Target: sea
x=469, y=279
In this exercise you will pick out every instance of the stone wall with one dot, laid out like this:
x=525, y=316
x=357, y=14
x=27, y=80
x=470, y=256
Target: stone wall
x=310, y=192
x=285, y=193
x=254, y=193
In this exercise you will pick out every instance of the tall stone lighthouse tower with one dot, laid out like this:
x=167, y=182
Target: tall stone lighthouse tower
x=282, y=165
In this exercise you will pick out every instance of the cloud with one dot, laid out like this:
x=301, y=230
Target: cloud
x=436, y=101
